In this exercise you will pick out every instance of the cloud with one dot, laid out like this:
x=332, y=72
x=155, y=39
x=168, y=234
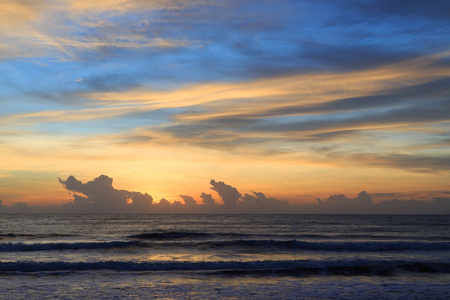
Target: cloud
x=267, y=39
x=300, y=110
x=362, y=204
x=78, y=30
x=410, y=95
x=341, y=204
x=259, y=202
x=423, y=113
x=420, y=195
x=422, y=103
x=208, y=200
x=62, y=116
x=16, y=12
x=121, y=6
x=417, y=9
x=99, y=196
x=229, y=194
x=188, y=201
x=338, y=84
x=356, y=113
x=415, y=162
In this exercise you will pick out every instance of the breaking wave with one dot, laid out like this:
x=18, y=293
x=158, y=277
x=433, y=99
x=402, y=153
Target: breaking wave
x=12, y=236
x=10, y=247
x=287, y=267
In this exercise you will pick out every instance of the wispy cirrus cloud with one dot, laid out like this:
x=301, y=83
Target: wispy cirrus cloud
x=70, y=30
x=293, y=112
x=397, y=98
x=416, y=161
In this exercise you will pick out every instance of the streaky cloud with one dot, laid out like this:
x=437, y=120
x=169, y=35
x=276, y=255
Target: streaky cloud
x=415, y=162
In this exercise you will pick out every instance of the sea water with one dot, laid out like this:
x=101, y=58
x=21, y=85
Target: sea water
x=224, y=257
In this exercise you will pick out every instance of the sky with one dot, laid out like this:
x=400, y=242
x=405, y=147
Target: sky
x=294, y=99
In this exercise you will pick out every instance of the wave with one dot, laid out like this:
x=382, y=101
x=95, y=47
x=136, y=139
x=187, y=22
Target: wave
x=287, y=267
x=333, y=246
x=182, y=235
x=381, y=237
x=170, y=235
x=185, y=235
x=21, y=247
x=12, y=236
x=240, y=244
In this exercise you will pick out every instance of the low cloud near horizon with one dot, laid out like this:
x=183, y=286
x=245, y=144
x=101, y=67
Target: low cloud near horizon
x=99, y=196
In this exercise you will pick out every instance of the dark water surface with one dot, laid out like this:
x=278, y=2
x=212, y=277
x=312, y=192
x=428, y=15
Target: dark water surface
x=225, y=256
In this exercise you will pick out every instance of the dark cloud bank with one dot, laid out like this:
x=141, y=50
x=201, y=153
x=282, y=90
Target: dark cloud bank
x=99, y=196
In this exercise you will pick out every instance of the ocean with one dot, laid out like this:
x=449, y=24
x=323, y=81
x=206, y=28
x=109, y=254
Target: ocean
x=224, y=256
